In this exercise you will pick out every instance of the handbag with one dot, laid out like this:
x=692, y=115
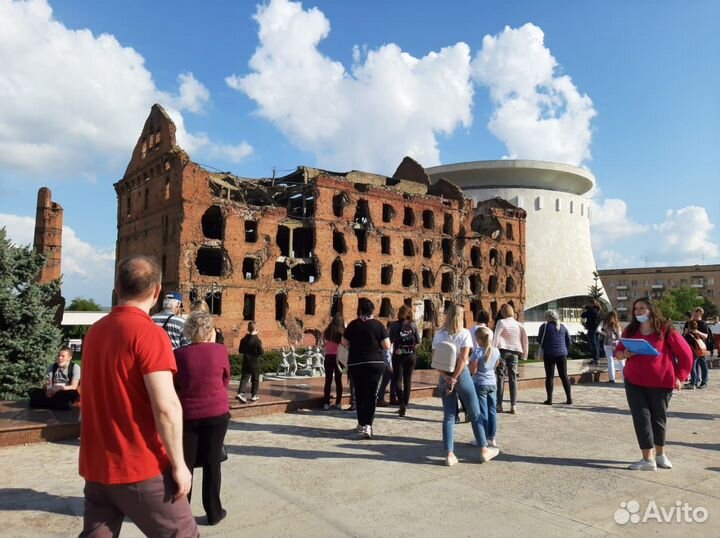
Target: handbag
x=342, y=355
x=540, y=353
x=200, y=460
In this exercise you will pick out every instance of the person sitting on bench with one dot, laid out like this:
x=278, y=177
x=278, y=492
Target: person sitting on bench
x=61, y=384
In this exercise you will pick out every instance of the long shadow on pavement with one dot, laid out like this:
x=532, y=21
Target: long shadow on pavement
x=703, y=446
x=30, y=499
x=563, y=462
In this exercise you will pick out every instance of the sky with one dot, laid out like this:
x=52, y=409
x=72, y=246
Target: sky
x=628, y=90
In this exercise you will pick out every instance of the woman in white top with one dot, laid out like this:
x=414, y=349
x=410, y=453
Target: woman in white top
x=459, y=380
x=511, y=339
x=611, y=330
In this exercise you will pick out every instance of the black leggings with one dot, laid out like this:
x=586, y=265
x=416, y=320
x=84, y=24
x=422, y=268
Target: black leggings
x=403, y=367
x=366, y=380
x=332, y=370
x=202, y=443
x=648, y=407
x=561, y=364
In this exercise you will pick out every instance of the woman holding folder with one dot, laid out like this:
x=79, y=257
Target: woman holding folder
x=650, y=377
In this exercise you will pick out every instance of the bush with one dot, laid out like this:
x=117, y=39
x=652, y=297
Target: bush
x=423, y=353
x=271, y=361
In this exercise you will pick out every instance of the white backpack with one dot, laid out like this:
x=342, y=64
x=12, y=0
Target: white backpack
x=444, y=357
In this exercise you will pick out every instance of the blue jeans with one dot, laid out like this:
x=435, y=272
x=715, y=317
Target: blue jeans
x=594, y=344
x=487, y=399
x=699, y=372
x=466, y=390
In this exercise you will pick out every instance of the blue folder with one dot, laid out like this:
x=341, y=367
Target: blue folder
x=639, y=346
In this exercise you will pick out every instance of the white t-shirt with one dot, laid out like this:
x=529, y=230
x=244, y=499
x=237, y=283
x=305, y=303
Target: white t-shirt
x=715, y=328
x=461, y=339
x=472, y=333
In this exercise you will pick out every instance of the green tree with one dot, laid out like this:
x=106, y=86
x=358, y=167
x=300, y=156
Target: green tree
x=29, y=338
x=81, y=304
x=596, y=290
x=677, y=301
x=710, y=308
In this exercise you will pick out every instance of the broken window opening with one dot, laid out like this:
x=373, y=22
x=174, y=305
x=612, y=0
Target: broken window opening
x=362, y=237
x=475, y=308
x=447, y=282
x=427, y=249
x=509, y=231
x=360, y=276
x=147, y=198
x=386, y=273
x=209, y=261
x=448, y=224
x=428, y=219
x=212, y=223
x=494, y=257
x=447, y=303
x=493, y=310
x=251, y=231
x=408, y=247
x=476, y=257
x=337, y=306
x=428, y=279
x=310, y=305
x=301, y=205
x=214, y=302
x=337, y=272
x=281, y=271
x=250, y=268
x=509, y=259
x=339, y=244
x=409, y=217
x=249, y=307
x=303, y=242
x=492, y=284
x=447, y=250
x=408, y=279
x=304, y=272
x=385, y=244
x=339, y=202
x=386, y=309
x=388, y=213
x=475, y=284
x=509, y=285
x=407, y=301
x=362, y=212
x=282, y=239
x=429, y=311
x=281, y=307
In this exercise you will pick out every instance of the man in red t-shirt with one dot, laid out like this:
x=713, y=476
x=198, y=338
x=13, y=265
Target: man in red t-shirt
x=131, y=451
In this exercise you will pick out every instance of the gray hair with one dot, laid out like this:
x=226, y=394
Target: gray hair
x=551, y=315
x=199, y=327
x=170, y=302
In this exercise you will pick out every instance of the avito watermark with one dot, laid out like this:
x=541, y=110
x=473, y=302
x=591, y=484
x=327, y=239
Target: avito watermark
x=680, y=512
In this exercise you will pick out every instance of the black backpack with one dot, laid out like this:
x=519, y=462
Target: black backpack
x=70, y=372
x=406, y=338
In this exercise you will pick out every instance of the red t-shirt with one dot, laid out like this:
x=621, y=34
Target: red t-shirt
x=119, y=442
x=662, y=370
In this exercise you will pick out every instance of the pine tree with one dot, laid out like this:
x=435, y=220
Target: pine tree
x=29, y=338
x=596, y=290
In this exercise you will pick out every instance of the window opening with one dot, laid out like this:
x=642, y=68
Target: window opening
x=494, y=257
x=429, y=311
x=509, y=258
x=339, y=202
x=409, y=217
x=510, y=284
x=282, y=239
x=447, y=250
x=303, y=242
x=209, y=261
x=214, y=302
x=408, y=247
x=476, y=257
x=304, y=272
x=492, y=284
x=281, y=271
x=360, y=276
x=310, y=305
x=509, y=231
x=337, y=272
x=475, y=284
x=281, y=307
x=385, y=244
x=362, y=235
x=212, y=223
x=250, y=268
x=251, y=231
x=427, y=249
x=408, y=278
x=448, y=224
x=428, y=279
x=447, y=282
x=386, y=309
x=386, y=273
x=339, y=244
x=362, y=212
x=428, y=219
x=337, y=305
x=388, y=213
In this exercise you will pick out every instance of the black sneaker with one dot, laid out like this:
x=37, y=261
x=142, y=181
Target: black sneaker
x=702, y=385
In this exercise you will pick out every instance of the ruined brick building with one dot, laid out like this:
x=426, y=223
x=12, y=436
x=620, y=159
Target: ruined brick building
x=47, y=241
x=291, y=251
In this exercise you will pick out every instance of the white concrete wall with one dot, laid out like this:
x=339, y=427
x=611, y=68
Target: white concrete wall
x=560, y=261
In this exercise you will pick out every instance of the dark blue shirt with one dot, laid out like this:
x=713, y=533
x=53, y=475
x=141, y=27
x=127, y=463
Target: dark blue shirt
x=557, y=340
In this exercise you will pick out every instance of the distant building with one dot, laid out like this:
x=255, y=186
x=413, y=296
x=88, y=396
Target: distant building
x=560, y=262
x=623, y=286
x=289, y=252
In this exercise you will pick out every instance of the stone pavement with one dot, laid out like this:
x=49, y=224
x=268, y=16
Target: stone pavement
x=561, y=472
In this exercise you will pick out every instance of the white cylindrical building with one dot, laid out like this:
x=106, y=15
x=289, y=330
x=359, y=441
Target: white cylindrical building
x=560, y=262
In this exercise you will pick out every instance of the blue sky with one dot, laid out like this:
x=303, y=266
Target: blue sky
x=626, y=89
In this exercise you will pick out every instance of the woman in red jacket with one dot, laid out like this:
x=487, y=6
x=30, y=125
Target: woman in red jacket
x=650, y=380
x=202, y=378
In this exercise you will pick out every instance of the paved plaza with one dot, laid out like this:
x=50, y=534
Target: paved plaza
x=561, y=472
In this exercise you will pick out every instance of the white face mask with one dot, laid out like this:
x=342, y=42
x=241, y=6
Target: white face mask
x=642, y=319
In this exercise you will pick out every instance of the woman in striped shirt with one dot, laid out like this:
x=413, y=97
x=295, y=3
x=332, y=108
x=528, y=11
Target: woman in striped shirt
x=511, y=339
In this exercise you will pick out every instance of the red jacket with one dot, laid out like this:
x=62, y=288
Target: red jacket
x=674, y=361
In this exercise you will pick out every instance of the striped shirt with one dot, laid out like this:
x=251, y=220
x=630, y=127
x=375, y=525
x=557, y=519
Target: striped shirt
x=173, y=325
x=510, y=335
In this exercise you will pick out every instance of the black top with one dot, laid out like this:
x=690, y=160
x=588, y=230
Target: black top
x=365, y=339
x=394, y=332
x=591, y=319
x=251, y=346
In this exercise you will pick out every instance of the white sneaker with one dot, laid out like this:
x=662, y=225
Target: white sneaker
x=490, y=454
x=451, y=460
x=367, y=432
x=326, y=407
x=255, y=398
x=663, y=461
x=241, y=397
x=643, y=465
x=492, y=442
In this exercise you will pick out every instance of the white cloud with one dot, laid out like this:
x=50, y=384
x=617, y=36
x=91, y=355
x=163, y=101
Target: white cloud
x=389, y=105
x=87, y=270
x=538, y=113
x=611, y=222
x=686, y=233
x=74, y=102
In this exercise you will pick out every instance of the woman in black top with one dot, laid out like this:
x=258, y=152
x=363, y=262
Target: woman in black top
x=367, y=342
